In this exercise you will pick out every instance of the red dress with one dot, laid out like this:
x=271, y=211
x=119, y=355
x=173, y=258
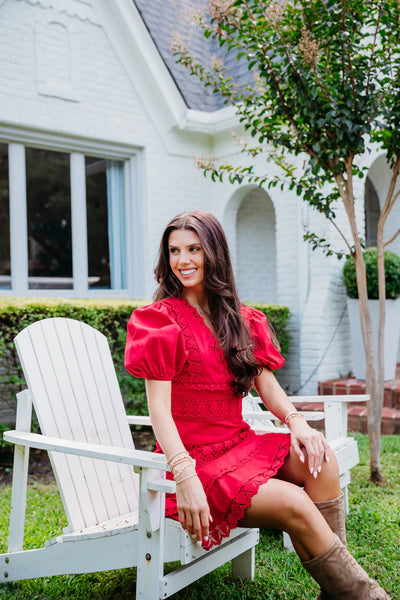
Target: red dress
x=169, y=341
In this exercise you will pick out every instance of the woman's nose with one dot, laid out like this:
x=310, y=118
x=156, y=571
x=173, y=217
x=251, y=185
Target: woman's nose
x=184, y=258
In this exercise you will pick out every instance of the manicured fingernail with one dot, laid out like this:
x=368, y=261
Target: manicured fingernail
x=302, y=458
x=319, y=469
x=327, y=459
x=199, y=543
x=206, y=538
x=315, y=474
x=211, y=519
x=311, y=470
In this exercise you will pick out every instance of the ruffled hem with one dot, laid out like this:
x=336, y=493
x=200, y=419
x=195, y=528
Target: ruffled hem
x=242, y=500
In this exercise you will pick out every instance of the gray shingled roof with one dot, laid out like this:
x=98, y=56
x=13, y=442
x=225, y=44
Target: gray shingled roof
x=161, y=21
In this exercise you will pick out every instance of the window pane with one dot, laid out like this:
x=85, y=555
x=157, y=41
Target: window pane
x=105, y=223
x=5, y=272
x=49, y=219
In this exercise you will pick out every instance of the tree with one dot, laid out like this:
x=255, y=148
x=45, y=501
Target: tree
x=327, y=86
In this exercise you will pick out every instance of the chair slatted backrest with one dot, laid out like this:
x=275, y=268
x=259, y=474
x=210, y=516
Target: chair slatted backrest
x=70, y=373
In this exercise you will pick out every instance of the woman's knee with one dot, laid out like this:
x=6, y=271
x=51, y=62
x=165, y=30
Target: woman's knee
x=300, y=513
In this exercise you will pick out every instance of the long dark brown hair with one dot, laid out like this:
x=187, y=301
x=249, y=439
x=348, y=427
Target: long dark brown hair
x=219, y=283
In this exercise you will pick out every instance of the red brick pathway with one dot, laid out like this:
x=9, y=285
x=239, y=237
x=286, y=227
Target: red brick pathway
x=357, y=413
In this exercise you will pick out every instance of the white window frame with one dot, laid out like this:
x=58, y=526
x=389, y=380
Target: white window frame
x=77, y=148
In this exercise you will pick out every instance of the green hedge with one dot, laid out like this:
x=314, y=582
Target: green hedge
x=108, y=316
x=392, y=275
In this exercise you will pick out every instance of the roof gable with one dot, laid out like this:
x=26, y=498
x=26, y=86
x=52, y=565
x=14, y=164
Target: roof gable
x=161, y=20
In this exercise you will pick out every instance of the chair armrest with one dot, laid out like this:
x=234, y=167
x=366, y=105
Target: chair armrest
x=137, y=458
x=266, y=415
x=162, y=485
x=340, y=399
x=138, y=420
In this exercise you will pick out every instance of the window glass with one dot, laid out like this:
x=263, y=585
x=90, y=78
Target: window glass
x=49, y=219
x=5, y=271
x=105, y=223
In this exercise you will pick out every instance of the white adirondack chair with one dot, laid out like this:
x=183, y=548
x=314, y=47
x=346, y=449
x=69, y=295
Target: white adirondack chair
x=115, y=512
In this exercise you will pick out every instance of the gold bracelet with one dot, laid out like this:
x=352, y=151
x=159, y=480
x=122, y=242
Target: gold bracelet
x=291, y=416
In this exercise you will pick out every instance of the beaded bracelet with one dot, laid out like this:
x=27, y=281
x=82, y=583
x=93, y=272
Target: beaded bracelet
x=181, y=471
x=177, y=461
x=169, y=460
x=187, y=477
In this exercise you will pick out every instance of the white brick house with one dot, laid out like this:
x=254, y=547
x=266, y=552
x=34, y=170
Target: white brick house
x=98, y=134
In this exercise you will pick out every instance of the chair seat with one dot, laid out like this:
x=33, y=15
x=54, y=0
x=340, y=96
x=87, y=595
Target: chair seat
x=121, y=524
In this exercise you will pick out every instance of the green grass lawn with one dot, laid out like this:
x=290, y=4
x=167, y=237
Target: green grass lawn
x=373, y=536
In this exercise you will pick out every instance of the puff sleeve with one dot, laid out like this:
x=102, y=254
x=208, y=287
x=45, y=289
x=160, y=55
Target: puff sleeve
x=155, y=347
x=264, y=350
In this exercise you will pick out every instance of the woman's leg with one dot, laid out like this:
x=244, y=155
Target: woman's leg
x=325, y=486
x=324, y=490
x=282, y=505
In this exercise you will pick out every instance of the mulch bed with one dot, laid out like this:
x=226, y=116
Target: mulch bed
x=39, y=464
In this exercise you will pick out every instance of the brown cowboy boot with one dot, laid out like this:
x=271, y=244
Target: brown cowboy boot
x=340, y=575
x=333, y=513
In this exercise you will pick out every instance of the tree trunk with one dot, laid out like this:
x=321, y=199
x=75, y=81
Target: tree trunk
x=376, y=401
x=372, y=384
x=375, y=418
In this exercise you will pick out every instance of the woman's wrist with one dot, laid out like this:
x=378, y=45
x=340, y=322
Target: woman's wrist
x=182, y=479
x=180, y=462
x=292, y=416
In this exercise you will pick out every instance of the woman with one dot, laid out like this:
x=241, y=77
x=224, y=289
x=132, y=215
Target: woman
x=200, y=351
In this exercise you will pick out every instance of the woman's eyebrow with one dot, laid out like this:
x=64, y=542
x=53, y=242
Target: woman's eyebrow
x=187, y=245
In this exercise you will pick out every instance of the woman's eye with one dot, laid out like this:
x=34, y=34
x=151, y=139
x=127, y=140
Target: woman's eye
x=173, y=250
x=194, y=249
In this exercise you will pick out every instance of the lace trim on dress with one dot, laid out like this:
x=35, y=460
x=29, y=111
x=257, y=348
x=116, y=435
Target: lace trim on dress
x=193, y=369
x=196, y=387
x=242, y=500
x=214, y=343
x=240, y=461
x=205, y=454
x=216, y=406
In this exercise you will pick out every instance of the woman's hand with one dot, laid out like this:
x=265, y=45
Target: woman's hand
x=193, y=510
x=310, y=440
x=304, y=438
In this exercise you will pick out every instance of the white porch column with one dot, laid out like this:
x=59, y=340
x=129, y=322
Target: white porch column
x=79, y=224
x=18, y=219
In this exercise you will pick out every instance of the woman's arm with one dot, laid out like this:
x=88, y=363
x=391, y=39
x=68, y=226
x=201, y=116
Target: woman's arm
x=193, y=510
x=303, y=436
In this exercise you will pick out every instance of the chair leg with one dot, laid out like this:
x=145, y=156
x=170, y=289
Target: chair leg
x=148, y=571
x=243, y=565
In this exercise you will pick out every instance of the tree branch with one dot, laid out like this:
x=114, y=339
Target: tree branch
x=390, y=197
x=341, y=233
x=373, y=49
x=390, y=240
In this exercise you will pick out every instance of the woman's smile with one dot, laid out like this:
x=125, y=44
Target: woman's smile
x=186, y=258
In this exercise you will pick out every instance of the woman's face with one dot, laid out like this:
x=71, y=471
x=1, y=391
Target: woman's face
x=186, y=257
